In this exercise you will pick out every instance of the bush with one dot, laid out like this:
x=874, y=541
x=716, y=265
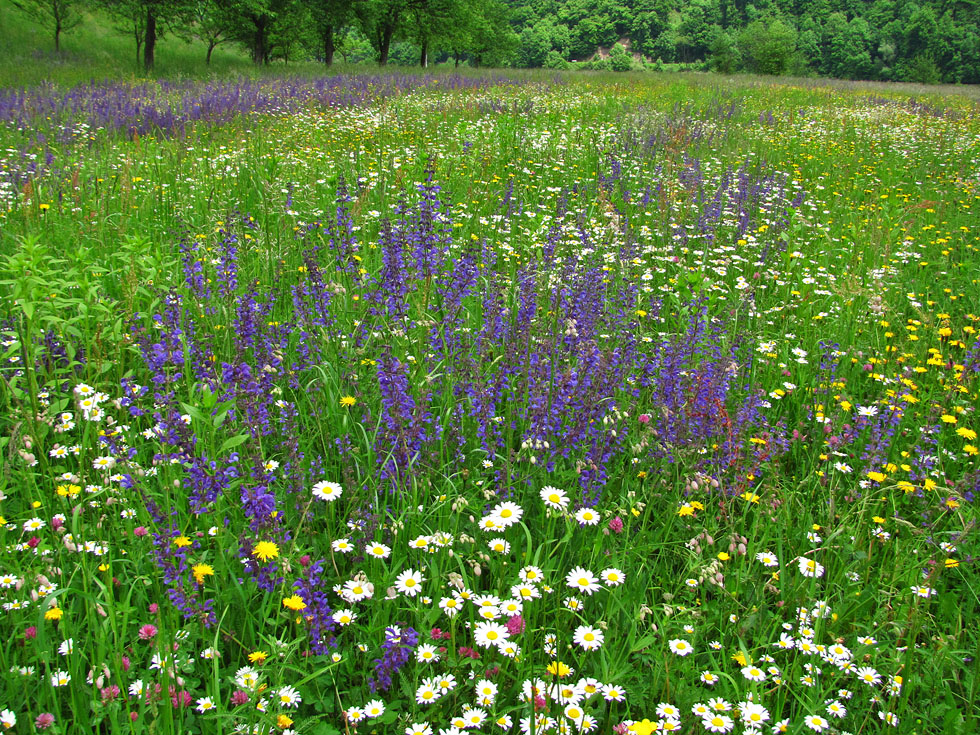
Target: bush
x=725, y=55
x=554, y=61
x=768, y=48
x=923, y=69
x=619, y=59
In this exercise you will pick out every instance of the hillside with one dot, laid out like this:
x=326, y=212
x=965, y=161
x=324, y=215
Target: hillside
x=877, y=40
x=97, y=49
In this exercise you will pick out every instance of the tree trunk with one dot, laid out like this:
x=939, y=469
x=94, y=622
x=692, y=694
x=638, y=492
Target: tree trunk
x=151, y=40
x=57, y=35
x=260, y=52
x=385, y=46
x=139, y=42
x=211, y=46
x=424, y=56
x=328, y=45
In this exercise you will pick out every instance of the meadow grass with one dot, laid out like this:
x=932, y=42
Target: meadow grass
x=489, y=402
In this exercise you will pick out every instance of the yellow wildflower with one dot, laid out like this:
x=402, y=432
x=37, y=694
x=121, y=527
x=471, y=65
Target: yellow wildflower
x=201, y=571
x=265, y=550
x=643, y=728
x=557, y=668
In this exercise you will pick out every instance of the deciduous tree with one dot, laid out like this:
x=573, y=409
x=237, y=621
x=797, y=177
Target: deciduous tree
x=58, y=15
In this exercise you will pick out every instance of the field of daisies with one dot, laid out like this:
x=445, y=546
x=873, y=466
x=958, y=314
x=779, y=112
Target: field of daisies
x=489, y=404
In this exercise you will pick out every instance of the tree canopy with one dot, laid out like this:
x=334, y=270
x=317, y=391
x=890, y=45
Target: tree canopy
x=917, y=40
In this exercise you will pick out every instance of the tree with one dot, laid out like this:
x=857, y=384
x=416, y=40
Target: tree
x=848, y=49
x=922, y=69
x=148, y=20
x=290, y=29
x=694, y=31
x=380, y=20
x=263, y=25
x=921, y=34
x=534, y=44
x=482, y=29
x=328, y=17
x=433, y=21
x=964, y=66
x=650, y=21
x=619, y=58
x=210, y=26
x=59, y=15
x=725, y=55
x=768, y=48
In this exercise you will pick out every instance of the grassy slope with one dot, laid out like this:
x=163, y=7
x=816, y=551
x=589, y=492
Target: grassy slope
x=95, y=49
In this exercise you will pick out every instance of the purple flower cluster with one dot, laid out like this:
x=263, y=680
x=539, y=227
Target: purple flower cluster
x=314, y=589
x=395, y=653
x=540, y=364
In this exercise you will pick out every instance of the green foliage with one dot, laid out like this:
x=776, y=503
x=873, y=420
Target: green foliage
x=57, y=15
x=857, y=311
x=95, y=49
x=879, y=39
x=768, y=47
x=619, y=58
x=922, y=69
x=726, y=56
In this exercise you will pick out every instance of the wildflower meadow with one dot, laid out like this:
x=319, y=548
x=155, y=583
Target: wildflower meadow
x=489, y=403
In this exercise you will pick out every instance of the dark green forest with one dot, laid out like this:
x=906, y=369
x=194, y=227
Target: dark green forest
x=927, y=41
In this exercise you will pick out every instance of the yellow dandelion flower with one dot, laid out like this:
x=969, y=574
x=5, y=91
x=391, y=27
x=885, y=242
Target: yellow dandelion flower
x=265, y=550
x=201, y=571
x=557, y=668
x=347, y=401
x=294, y=603
x=947, y=419
x=182, y=541
x=257, y=657
x=54, y=613
x=643, y=728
